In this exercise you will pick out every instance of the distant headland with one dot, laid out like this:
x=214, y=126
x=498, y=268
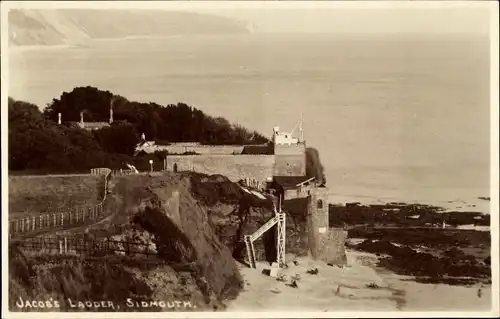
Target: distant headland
x=78, y=26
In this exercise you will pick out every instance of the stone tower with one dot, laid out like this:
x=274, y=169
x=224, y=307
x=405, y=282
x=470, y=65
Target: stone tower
x=325, y=243
x=318, y=219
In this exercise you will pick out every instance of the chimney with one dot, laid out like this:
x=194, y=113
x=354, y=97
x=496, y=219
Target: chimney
x=59, y=118
x=111, y=115
x=111, y=110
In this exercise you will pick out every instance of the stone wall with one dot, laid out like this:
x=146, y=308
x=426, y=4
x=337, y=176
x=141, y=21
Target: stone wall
x=205, y=149
x=290, y=165
x=290, y=160
x=290, y=149
x=234, y=167
x=331, y=247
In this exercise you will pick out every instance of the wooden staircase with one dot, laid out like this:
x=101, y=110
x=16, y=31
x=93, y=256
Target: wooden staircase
x=250, y=251
x=279, y=219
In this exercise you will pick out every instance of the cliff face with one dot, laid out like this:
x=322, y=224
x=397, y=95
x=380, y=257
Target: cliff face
x=194, y=222
x=76, y=26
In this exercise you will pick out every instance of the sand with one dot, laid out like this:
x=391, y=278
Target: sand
x=360, y=286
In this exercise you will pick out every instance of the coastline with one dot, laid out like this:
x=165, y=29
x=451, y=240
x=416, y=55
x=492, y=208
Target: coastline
x=36, y=47
x=90, y=41
x=470, y=204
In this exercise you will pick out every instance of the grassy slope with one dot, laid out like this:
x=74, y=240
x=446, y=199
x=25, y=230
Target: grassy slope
x=31, y=195
x=112, y=279
x=187, y=238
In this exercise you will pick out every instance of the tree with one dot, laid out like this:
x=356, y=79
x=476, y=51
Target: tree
x=93, y=102
x=38, y=144
x=314, y=168
x=119, y=138
x=23, y=115
x=37, y=141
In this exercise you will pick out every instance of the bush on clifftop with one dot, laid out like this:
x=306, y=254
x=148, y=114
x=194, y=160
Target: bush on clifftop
x=173, y=123
x=38, y=144
x=314, y=168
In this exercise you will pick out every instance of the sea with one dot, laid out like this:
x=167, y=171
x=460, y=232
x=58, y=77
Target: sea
x=401, y=118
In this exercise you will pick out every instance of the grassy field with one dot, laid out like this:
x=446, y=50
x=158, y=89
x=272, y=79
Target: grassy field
x=33, y=195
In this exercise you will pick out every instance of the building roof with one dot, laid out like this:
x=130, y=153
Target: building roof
x=87, y=125
x=291, y=182
x=95, y=125
x=266, y=149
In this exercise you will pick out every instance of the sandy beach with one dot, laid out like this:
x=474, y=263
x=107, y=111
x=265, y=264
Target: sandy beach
x=360, y=286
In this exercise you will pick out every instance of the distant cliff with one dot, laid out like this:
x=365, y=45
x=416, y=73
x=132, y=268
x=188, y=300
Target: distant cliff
x=76, y=26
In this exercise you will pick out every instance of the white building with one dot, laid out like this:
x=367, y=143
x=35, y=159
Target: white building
x=282, y=138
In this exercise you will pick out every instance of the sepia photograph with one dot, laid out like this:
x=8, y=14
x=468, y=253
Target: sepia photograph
x=250, y=159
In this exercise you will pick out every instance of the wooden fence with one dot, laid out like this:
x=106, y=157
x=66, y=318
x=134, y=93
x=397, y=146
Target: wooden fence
x=85, y=247
x=122, y=172
x=74, y=217
x=251, y=182
x=100, y=171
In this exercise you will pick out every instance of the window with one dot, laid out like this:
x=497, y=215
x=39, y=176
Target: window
x=320, y=203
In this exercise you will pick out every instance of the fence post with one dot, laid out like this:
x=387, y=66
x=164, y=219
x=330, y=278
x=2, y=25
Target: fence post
x=60, y=247
x=54, y=219
x=65, y=245
x=62, y=219
x=27, y=224
x=17, y=226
